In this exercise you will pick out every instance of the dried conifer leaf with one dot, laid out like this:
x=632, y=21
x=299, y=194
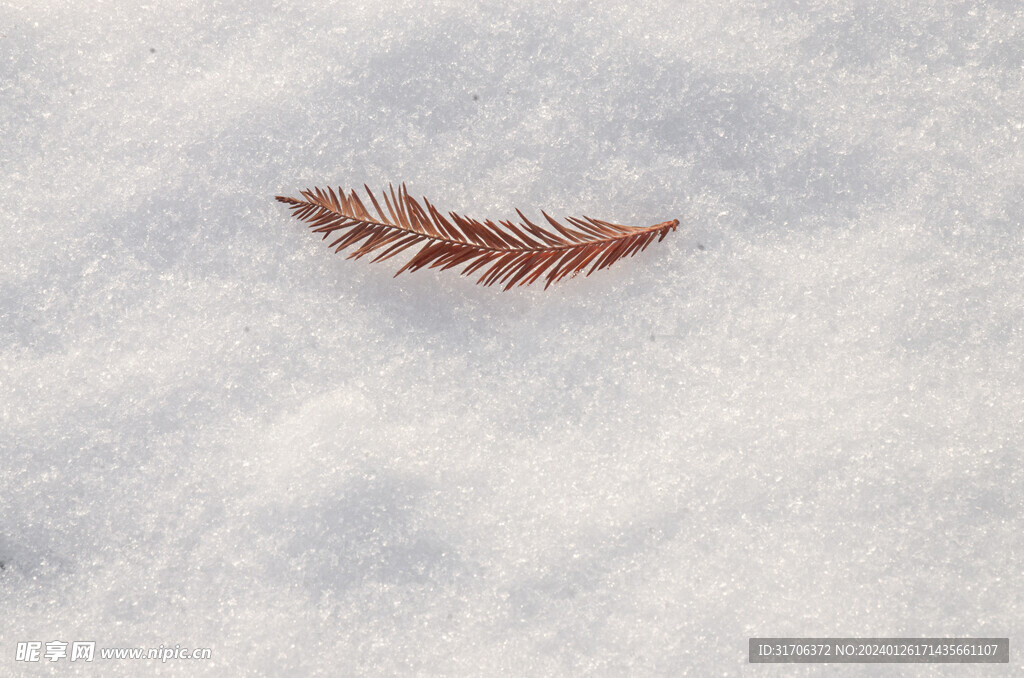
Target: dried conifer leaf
x=508, y=253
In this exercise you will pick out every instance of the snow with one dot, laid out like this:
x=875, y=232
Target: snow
x=800, y=414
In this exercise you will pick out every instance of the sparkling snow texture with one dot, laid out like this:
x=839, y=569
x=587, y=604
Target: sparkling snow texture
x=800, y=414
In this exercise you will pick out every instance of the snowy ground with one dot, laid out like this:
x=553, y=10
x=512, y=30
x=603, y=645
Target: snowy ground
x=800, y=414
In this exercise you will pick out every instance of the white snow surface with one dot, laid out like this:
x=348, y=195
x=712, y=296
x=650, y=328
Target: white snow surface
x=798, y=415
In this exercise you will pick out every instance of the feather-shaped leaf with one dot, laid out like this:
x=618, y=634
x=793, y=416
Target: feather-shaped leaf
x=507, y=253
